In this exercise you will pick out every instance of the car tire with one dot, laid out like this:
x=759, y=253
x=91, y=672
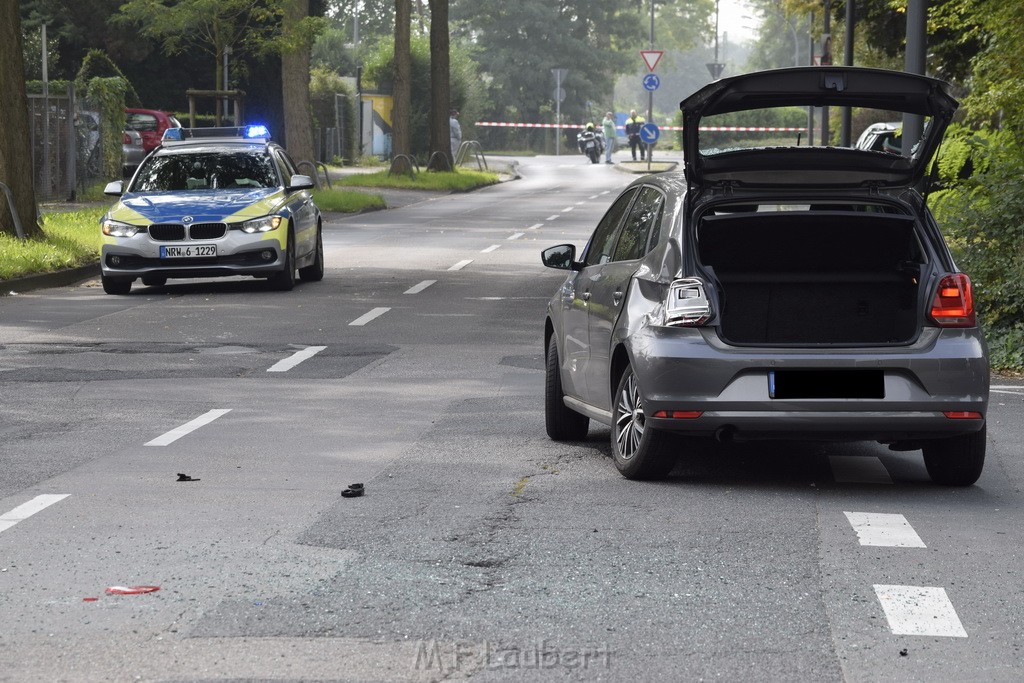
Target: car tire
x=955, y=461
x=562, y=423
x=153, y=281
x=314, y=272
x=112, y=285
x=639, y=451
x=284, y=279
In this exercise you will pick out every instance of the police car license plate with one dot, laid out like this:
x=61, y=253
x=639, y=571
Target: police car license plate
x=190, y=251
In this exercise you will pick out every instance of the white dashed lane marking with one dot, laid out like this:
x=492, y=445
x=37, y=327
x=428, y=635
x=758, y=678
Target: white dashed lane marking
x=551, y=218
x=286, y=364
x=188, y=427
x=1012, y=390
x=416, y=289
x=26, y=510
x=568, y=209
x=367, y=317
x=535, y=226
x=461, y=264
x=878, y=529
x=919, y=611
x=593, y=196
x=515, y=236
x=853, y=469
x=491, y=248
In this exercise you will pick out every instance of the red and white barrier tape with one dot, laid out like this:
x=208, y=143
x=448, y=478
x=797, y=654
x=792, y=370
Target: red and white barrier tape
x=730, y=129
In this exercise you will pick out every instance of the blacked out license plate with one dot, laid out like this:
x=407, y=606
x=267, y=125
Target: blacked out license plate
x=789, y=384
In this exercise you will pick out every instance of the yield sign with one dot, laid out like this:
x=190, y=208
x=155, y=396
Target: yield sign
x=651, y=58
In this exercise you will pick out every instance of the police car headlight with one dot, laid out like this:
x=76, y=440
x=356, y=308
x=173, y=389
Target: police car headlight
x=264, y=224
x=113, y=228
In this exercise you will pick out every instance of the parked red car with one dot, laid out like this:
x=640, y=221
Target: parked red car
x=150, y=124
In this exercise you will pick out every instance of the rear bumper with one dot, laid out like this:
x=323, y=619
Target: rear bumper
x=692, y=370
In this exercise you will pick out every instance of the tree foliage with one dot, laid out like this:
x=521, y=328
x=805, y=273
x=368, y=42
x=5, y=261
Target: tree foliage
x=209, y=26
x=519, y=43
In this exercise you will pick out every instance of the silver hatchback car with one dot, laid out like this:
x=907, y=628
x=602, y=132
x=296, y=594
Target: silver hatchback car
x=785, y=292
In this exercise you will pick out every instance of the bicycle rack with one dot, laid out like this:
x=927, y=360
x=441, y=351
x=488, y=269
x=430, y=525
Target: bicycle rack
x=471, y=147
x=14, y=211
x=442, y=163
x=410, y=164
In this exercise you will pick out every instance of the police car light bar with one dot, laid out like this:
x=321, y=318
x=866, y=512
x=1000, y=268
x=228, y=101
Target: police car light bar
x=257, y=132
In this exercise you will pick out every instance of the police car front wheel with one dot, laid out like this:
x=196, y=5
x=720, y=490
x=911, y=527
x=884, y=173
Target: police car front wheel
x=284, y=280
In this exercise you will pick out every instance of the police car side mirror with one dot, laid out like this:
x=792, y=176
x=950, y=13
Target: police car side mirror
x=115, y=189
x=300, y=182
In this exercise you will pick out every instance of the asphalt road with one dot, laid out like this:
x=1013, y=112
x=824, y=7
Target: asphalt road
x=481, y=549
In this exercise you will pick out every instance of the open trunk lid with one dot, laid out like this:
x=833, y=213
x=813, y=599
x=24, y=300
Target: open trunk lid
x=831, y=86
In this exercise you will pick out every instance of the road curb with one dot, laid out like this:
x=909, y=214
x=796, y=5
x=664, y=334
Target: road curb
x=60, y=278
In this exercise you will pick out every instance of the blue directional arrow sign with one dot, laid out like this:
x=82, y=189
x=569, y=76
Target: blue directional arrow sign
x=649, y=133
x=651, y=82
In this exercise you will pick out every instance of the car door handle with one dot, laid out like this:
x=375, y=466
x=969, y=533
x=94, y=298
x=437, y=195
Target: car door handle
x=617, y=297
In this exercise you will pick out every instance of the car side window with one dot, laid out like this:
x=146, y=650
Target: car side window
x=642, y=219
x=286, y=166
x=599, y=250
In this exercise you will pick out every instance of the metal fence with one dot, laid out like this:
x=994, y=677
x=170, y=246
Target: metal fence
x=67, y=148
x=328, y=143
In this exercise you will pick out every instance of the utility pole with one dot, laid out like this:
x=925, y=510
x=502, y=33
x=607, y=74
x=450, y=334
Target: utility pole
x=810, y=62
x=844, y=135
x=826, y=52
x=917, y=18
x=650, y=96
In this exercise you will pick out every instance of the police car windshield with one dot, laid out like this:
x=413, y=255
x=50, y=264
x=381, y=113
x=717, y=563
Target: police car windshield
x=206, y=170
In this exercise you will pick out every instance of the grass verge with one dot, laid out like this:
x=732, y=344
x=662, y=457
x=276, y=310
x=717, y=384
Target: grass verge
x=457, y=181
x=347, y=201
x=69, y=239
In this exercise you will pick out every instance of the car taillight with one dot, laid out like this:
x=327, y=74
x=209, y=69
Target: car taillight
x=953, y=305
x=125, y=140
x=687, y=304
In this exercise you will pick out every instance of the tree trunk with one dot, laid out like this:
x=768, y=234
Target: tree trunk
x=15, y=143
x=298, y=120
x=440, y=86
x=400, y=142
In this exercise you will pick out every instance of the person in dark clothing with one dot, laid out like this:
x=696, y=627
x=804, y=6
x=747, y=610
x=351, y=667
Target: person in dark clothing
x=633, y=125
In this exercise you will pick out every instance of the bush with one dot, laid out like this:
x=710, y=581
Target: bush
x=983, y=218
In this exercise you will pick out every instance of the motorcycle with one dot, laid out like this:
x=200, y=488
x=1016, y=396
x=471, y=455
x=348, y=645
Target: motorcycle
x=590, y=143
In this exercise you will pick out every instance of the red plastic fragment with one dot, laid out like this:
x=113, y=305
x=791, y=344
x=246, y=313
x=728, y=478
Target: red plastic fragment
x=131, y=590
x=89, y=599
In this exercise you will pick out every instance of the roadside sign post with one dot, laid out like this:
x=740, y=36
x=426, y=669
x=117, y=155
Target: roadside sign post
x=651, y=83
x=649, y=134
x=560, y=75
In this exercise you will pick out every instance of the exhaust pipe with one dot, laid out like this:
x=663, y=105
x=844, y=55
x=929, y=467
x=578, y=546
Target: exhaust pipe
x=725, y=434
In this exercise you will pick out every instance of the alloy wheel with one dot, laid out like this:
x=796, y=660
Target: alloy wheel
x=629, y=422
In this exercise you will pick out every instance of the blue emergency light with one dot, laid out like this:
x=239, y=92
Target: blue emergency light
x=257, y=131
x=251, y=132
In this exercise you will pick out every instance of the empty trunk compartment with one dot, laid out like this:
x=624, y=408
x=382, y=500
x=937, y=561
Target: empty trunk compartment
x=814, y=277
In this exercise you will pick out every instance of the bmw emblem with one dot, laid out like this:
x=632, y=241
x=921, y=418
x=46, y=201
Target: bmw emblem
x=187, y=219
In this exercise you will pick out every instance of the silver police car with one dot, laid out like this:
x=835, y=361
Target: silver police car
x=782, y=292
x=212, y=202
